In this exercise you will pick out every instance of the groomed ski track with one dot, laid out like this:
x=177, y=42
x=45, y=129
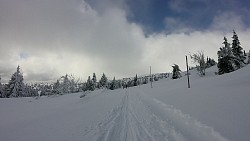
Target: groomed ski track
x=140, y=117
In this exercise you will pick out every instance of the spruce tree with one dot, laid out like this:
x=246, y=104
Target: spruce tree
x=135, y=80
x=225, y=58
x=103, y=81
x=176, y=72
x=94, y=79
x=156, y=78
x=2, y=94
x=113, y=84
x=90, y=84
x=248, y=57
x=28, y=91
x=73, y=84
x=15, y=86
x=210, y=62
x=56, y=88
x=66, y=84
x=237, y=51
x=84, y=86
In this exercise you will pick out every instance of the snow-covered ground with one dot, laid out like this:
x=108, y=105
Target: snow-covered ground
x=215, y=108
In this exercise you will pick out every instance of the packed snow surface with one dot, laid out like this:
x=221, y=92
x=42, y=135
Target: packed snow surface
x=215, y=108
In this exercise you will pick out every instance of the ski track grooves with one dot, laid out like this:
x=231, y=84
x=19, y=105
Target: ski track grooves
x=139, y=118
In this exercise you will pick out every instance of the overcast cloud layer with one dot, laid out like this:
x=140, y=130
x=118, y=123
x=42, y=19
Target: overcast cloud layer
x=50, y=38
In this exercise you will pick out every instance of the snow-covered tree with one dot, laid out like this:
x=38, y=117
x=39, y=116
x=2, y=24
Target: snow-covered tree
x=176, y=72
x=66, y=84
x=226, y=58
x=113, y=84
x=90, y=84
x=238, y=51
x=249, y=57
x=118, y=84
x=15, y=86
x=30, y=91
x=210, y=62
x=57, y=88
x=103, y=81
x=135, y=80
x=2, y=93
x=83, y=86
x=98, y=85
x=145, y=80
x=130, y=82
x=156, y=78
x=94, y=80
x=74, y=84
x=200, y=59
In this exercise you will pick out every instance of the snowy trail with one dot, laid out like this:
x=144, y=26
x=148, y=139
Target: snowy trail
x=186, y=126
x=120, y=124
x=141, y=118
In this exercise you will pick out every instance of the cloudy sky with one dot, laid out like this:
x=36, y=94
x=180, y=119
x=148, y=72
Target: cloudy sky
x=49, y=38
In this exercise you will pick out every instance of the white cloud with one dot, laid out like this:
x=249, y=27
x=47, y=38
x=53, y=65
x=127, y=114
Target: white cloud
x=60, y=36
x=227, y=21
x=176, y=25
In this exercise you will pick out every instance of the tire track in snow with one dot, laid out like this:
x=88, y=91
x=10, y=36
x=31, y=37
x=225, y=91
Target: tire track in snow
x=121, y=124
x=160, y=130
x=141, y=118
x=133, y=121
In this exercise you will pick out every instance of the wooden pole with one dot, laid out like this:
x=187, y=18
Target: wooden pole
x=187, y=72
x=151, y=78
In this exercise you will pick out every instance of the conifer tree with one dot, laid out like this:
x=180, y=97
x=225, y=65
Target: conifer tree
x=237, y=51
x=94, y=80
x=113, y=84
x=249, y=57
x=2, y=94
x=225, y=58
x=103, y=81
x=176, y=72
x=66, y=84
x=15, y=86
x=90, y=84
x=156, y=78
x=135, y=80
x=56, y=88
x=84, y=86
x=73, y=84
x=210, y=62
x=29, y=91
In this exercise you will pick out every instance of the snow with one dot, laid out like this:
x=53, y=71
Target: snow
x=215, y=108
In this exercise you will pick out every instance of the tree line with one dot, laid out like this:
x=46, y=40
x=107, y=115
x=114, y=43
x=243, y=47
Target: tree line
x=68, y=84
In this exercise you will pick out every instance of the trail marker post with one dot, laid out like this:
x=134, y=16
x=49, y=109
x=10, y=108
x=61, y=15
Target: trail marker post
x=187, y=72
x=151, y=79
